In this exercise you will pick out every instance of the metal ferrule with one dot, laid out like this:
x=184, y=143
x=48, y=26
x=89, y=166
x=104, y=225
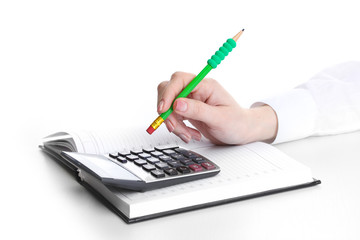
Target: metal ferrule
x=157, y=122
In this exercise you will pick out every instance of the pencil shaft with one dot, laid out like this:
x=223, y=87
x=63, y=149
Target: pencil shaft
x=213, y=62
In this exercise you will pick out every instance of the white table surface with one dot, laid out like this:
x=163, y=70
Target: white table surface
x=43, y=200
x=88, y=64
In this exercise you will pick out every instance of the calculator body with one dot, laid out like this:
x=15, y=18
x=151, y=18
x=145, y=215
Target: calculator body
x=145, y=169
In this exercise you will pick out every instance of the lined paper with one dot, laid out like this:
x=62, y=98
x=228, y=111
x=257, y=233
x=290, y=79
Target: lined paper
x=102, y=142
x=245, y=170
x=239, y=165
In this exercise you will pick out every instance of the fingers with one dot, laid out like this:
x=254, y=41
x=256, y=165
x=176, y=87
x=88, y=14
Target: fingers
x=185, y=108
x=168, y=91
x=161, y=88
x=197, y=110
x=176, y=125
x=208, y=91
x=206, y=106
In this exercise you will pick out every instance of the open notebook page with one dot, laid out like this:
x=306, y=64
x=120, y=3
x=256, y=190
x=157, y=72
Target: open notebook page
x=245, y=170
x=102, y=142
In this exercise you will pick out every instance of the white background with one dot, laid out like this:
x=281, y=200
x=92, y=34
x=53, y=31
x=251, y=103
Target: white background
x=88, y=64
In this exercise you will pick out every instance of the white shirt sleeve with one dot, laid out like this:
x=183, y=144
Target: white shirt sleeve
x=329, y=103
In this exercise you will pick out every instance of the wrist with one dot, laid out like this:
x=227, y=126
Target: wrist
x=263, y=124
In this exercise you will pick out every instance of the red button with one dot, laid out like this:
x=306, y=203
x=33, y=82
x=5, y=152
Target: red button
x=208, y=166
x=196, y=167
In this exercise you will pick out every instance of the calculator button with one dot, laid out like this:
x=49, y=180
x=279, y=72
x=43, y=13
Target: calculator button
x=177, y=156
x=124, y=153
x=165, y=158
x=121, y=159
x=183, y=169
x=152, y=160
x=156, y=153
x=208, y=166
x=140, y=162
x=181, y=150
x=169, y=152
x=136, y=151
x=144, y=155
x=196, y=167
x=148, y=167
x=158, y=173
x=171, y=171
x=113, y=155
x=174, y=163
x=198, y=160
x=187, y=162
x=160, y=148
x=190, y=154
x=186, y=153
x=148, y=150
x=132, y=157
x=161, y=165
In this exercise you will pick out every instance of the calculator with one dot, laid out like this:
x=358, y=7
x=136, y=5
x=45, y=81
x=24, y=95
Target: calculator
x=145, y=169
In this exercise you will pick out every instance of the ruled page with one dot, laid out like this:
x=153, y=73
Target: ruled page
x=238, y=164
x=107, y=141
x=245, y=170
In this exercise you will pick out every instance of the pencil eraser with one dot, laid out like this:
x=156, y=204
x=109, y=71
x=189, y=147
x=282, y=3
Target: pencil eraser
x=150, y=130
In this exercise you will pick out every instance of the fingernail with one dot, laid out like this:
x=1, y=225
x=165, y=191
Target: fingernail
x=181, y=106
x=184, y=138
x=161, y=105
x=169, y=125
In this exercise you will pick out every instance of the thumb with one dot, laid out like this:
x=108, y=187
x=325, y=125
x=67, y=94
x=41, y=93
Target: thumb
x=197, y=110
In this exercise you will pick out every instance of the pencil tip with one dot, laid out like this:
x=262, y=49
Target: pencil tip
x=243, y=29
x=236, y=37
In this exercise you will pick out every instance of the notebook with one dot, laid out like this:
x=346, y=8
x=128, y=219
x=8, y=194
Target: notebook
x=247, y=171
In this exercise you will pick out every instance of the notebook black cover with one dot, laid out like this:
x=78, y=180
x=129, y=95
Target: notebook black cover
x=74, y=172
x=195, y=207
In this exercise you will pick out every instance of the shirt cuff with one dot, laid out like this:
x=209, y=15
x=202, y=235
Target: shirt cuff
x=296, y=113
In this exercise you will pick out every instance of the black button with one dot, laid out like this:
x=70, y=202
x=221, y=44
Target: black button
x=148, y=150
x=198, y=160
x=161, y=165
x=113, y=155
x=171, y=171
x=178, y=156
x=140, y=162
x=144, y=155
x=181, y=150
x=183, y=169
x=158, y=173
x=121, y=159
x=190, y=154
x=152, y=160
x=124, y=153
x=165, y=158
x=136, y=151
x=174, y=163
x=148, y=167
x=156, y=153
x=132, y=157
x=187, y=162
x=169, y=151
x=160, y=148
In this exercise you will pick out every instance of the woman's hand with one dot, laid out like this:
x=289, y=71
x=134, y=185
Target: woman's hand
x=214, y=113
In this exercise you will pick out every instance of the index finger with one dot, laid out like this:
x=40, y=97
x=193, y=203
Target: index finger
x=178, y=81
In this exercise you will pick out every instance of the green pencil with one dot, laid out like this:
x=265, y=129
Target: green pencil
x=211, y=63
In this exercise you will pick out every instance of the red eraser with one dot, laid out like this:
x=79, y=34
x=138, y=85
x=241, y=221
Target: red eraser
x=150, y=130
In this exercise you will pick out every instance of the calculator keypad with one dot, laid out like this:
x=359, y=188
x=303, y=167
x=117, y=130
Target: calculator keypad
x=163, y=161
